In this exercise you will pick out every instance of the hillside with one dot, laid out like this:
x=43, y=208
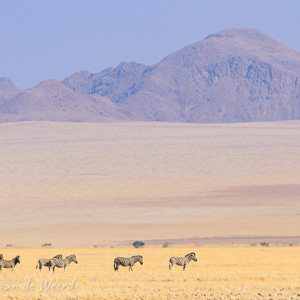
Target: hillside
x=237, y=75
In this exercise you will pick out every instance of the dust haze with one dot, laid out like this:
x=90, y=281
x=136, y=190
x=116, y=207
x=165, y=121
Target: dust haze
x=120, y=181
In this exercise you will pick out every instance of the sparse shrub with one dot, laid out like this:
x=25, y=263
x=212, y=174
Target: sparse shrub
x=165, y=245
x=47, y=245
x=138, y=244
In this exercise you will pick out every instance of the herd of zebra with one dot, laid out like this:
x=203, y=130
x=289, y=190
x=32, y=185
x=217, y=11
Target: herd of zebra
x=55, y=262
x=59, y=262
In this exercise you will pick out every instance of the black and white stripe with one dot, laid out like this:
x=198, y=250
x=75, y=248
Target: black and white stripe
x=125, y=262
x=181, y=261
x=9, y=263
x=45, y=262
x=61, y=262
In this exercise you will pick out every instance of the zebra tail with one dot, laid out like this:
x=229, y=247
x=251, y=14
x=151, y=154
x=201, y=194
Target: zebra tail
x=170, y=265
x=115, y=266
x=37, y=265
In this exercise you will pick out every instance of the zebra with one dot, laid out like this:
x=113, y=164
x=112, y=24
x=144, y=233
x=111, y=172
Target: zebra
x=1, y=256
x=125, y=262
x=61, y=262
x=9, y=263
x=181, y=261
x=44, y=262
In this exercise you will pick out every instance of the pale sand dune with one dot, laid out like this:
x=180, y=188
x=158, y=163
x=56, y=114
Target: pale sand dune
x=146, y=173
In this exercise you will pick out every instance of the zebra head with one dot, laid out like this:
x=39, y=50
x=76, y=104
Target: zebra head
x=138, y=258
x=72, y=258
x=17, y=260
x=192, y=256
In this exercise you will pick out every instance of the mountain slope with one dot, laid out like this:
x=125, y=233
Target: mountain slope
x=51, y=100
x=237, y=75
x=8, y=89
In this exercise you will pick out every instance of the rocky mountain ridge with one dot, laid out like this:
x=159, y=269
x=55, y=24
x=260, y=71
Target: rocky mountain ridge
x=237, y=75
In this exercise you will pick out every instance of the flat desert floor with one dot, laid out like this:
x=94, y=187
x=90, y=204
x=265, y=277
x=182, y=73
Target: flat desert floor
x=220, y=273
x=79, y=185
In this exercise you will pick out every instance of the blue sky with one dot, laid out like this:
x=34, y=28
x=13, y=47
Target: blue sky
x=43, y=39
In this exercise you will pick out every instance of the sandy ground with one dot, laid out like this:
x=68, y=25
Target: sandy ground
x=121, y=181
x=219, y=273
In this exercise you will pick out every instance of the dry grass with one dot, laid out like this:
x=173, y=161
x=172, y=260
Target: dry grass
x=220, y=273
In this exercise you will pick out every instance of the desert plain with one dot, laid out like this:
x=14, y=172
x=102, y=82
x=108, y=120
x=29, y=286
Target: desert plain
x=83, y=184
x=245, y=273
x=92, y=189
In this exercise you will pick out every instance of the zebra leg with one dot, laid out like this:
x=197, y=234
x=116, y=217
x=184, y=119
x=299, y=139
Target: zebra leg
x=65, y=268
x=184, y=267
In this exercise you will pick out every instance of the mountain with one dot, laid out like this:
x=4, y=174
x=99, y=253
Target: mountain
x=237, y=75
x=7, y=89
x=51, y=100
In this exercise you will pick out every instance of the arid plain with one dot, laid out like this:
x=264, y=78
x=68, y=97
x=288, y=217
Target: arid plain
x=229, y=273
x=79, y=185
x=193, y=186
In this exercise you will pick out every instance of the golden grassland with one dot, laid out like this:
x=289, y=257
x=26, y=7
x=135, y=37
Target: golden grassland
x=219, y=273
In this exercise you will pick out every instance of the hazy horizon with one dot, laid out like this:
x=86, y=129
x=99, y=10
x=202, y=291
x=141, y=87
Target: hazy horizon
x=120, y=180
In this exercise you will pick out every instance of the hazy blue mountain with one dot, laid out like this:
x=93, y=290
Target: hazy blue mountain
x=8, y=89
x=236, y=75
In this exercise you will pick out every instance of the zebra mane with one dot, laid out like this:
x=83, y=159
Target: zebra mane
x=137, y=256
x=191, y=254
x=70, y=256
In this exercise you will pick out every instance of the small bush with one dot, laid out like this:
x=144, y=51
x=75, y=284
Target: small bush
x=138, y=244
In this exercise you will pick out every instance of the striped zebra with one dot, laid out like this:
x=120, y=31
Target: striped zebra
x=45, y=262
x=125, y=262
x=9, y=263
x=61, y=262
x=181, y=261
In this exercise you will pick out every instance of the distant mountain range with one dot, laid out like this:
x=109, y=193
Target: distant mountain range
x=237, y=75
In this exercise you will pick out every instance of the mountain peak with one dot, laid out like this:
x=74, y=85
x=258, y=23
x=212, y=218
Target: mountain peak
x=235, y=75
x=240, y=32
x=8, y=89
